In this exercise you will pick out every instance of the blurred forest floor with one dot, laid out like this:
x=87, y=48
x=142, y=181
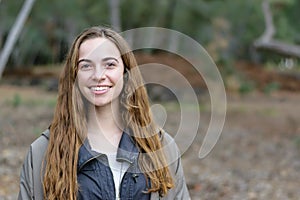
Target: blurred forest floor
x=256, y=157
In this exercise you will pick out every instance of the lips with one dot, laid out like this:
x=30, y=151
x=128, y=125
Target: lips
x=99, y=88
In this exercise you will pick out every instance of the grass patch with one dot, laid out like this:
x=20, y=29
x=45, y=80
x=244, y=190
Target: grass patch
x=247, y=87
x=269, y=112
x=271, y=87
x=297, y=142
x=17, y=100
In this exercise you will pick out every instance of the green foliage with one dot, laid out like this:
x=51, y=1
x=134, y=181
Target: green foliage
x=286, y=2
x=16, y=101
x=246, y=87
x=297, y=142
x=271, y=87
x=136, y=14
x=284, y=12
x=227, y=29
x=8, y=11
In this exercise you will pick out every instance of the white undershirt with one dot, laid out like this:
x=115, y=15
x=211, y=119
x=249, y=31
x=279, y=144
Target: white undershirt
x=118, y=170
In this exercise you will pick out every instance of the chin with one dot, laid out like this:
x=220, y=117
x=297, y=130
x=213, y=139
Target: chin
x=104, y=103
x=100, y=104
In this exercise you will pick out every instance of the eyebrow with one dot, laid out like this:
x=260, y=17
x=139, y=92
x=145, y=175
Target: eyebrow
x=110, y=58
x=84, y=60
x=104, y=59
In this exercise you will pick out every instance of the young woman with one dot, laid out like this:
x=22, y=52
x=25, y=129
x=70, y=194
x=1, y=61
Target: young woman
x=102, y=142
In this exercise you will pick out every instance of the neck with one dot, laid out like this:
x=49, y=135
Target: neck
x=104, y=118
x=105, y=126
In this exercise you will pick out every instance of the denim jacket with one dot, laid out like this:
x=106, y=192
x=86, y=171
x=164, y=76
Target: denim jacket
x=95, y=178
x=133, y=183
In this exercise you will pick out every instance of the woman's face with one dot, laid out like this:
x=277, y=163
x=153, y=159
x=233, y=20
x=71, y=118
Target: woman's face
x=100, y=71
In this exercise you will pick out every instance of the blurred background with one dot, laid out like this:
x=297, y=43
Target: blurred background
x=255, y=45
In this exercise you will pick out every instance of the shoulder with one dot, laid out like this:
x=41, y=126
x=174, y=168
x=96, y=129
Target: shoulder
x=30, y=177
x=41, y=141
x=173, y=157
x=170, y=149
x=167, y=141
x=39, y=147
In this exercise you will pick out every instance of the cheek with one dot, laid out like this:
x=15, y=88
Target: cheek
x=119, y=80
x=81, y=80
x=117, y=77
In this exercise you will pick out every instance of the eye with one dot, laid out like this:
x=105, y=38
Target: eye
x=85, y=66
x=111, y=64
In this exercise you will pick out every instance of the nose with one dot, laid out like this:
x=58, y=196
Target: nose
x=99, y=72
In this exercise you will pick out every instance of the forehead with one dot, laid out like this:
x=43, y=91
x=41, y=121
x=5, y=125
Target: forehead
x=97, y=48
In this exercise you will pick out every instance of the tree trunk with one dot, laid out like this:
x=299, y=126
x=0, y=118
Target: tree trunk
x=266, y=41
x=270, y=29
x=279, y=47
x=14, y=33
x=115, y=21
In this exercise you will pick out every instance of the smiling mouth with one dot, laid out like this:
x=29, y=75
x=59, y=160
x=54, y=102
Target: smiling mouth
x=100, y=88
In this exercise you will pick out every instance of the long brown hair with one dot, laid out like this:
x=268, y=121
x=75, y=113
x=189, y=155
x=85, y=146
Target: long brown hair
x=69, y=126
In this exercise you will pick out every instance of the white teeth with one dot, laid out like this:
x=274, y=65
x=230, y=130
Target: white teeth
x=101, y=88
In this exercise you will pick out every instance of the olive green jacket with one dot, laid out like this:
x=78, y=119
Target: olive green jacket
x=31, y=179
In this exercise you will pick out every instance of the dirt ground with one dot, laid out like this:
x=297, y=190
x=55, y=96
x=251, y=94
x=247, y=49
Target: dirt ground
x=256, y=157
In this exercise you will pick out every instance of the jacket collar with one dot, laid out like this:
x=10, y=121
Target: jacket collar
x=127, y=151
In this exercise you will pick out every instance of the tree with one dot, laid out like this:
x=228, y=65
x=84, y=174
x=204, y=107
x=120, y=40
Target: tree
x=115, y=21
x=14, y=33
x=267, y=42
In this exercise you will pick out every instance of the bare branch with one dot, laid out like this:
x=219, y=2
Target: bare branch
x=281, y=48
x=270, y=30
x=266, y=41
x=14, y=33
